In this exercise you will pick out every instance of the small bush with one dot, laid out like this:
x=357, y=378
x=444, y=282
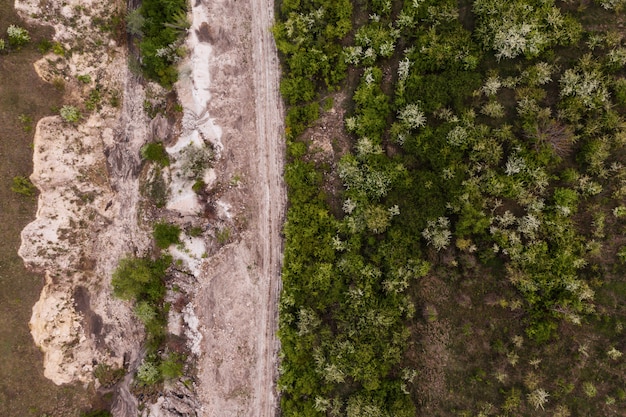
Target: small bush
x=70, y=114
x=84, y=78
x=140, y=279
x=195, y=160
x=166, y=234
x=58, y=49
x=145, y=312
x=223, y=236
x=44, y=46
x=155, y=152
x=93, y=102
x=172, y=367
x=22, y=185
x=148, y=373
x=198, y=186
x=17, y=36
x=135, y=22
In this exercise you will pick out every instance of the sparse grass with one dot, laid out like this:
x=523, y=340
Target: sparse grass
x=84, y=78
x=23, y=185
x=195, y=231
x=107, y=375
x=223, y=236
x=27, y=122
x=24, y=391
x=155, y=187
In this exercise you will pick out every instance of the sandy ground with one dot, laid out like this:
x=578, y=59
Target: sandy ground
x=237, y=297
x=90, y=215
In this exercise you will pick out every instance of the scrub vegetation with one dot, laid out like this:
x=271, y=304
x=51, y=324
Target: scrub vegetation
x=159, y=26
x=142, y=281
x=462, y=254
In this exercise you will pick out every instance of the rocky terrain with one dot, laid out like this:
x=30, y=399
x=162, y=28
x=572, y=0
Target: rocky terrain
x=91, y=212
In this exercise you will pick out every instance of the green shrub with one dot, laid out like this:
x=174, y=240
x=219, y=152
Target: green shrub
x=166, y=234
x=541, y=331
x=148, y=372
x=18, y=36
x=84, y=78
x=619, y=87
x=164, y=23
x=172, y=366
x=140, y=279
x=515, y=28
x=70, y=114
x=155, y=152
x=22, y=185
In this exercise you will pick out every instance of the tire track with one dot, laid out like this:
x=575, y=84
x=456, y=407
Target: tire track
x=270, y=146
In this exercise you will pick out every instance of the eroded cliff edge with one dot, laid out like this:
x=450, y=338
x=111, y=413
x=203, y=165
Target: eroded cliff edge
x=86, y=215
x=90, y=210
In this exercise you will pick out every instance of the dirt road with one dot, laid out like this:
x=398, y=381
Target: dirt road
x=236, y=301
x=269, y=117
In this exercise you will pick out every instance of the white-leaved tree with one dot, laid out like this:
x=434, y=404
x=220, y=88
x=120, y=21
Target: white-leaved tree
x=437, y=233
x=585, y=83
x=412, y=117
x=522, y=27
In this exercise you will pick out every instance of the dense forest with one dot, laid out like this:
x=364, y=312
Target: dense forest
x=458, y=249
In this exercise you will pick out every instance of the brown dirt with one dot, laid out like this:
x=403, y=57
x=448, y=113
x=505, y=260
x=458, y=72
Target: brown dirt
x=237, y=297
x=24, y=391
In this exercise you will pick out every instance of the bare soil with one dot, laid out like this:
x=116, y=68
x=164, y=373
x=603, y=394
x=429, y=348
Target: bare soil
x=91, y=213
x=238, y=292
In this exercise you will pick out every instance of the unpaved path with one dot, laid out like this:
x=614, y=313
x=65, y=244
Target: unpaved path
x=236, y=301
x=270, y=152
